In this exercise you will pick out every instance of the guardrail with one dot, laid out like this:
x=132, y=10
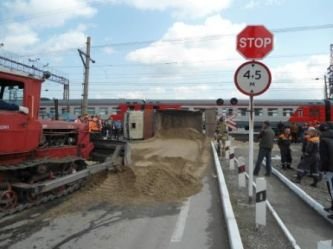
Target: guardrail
x=235, y=240
x=303, y=195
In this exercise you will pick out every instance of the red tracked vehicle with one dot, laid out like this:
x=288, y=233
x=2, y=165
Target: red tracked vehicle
x=39, y=160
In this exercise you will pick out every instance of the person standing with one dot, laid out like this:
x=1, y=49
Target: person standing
x=222, y=135
x=326, y=161
x=280, y=128
x=294, y=132
x=266, y=143
x=310, y=159
x=78, y=120
x=284, y=146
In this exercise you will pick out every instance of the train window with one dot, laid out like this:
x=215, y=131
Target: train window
x=230, y=111
x=314, y=112
x=91, y=110
x=287, y=112
x=12, y=93
x=103, y=111
x=42, y=112
x=273, y=112
x=258, y=112
x=300, y=112
x=52, y=111
x=63, y=110
x=77, y=110
x=242, y=112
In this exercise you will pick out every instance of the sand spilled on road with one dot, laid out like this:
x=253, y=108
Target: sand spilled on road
x=166, y=168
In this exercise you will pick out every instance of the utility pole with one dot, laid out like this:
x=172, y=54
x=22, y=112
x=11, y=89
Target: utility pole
x=85, y=58
x=328, y=78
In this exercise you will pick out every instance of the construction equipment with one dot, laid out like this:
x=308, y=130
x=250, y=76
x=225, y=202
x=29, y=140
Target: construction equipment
x=39, y=159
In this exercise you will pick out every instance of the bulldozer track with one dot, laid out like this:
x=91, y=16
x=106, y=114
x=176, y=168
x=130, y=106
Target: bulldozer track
x=49, y=197
x=34, y=163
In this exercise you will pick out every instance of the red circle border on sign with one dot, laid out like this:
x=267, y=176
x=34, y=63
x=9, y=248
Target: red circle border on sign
x=269, y=78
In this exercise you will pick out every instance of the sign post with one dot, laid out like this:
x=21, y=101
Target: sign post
x=251, y=146
x=253, y=78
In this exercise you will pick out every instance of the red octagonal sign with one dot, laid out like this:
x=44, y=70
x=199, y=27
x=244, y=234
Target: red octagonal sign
x=254, y=42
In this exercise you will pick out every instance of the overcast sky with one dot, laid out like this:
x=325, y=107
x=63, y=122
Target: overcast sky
x=168, y=48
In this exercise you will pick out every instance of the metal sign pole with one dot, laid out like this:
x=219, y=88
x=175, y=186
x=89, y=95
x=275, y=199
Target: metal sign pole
x=251, y=124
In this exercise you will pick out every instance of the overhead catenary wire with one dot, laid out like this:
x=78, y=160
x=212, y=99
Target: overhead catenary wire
x=215, y=36
x=191, y=39
x=169, y=63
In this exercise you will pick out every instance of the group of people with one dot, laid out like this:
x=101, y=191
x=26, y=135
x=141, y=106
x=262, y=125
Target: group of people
x=107, y=128
x=316, y=159
x=297, y=131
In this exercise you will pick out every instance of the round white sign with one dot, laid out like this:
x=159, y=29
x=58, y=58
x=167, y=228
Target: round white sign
x=252, y=78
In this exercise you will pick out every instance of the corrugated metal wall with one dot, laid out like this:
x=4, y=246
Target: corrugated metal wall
x=210, y=121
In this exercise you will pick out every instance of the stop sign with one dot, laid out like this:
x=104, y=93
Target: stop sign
x=254, y=42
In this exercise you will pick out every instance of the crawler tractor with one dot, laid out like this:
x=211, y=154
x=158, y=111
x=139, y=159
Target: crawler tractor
x=40, y=160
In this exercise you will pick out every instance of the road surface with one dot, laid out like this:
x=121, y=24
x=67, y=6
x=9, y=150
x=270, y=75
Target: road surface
x=196, y=223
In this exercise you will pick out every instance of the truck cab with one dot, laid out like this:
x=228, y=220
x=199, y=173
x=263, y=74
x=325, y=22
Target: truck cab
x=19, y=132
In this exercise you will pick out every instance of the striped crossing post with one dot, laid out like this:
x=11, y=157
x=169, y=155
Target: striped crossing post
x=231, y=123
x=260, y=201
x=227, y=149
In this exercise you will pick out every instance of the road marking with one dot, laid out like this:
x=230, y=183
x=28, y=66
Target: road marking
x=181, y=222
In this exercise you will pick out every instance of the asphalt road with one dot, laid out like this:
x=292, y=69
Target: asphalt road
x=197, y=223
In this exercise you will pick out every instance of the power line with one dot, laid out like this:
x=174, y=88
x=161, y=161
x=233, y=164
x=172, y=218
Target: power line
x=117, y=83
x=213, y=37
x=189, y=39
x=192, y=62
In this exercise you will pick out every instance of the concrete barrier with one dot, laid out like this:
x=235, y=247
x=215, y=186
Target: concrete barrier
x=303, y=195
x=235, y=240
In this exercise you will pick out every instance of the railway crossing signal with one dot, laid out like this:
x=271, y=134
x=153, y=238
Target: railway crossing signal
x=254, y=42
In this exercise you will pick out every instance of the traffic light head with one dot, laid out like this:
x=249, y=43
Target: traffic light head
x=219, y=101
x=233, y=101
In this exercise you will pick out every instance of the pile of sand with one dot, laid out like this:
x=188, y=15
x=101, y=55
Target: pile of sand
x=166, y=168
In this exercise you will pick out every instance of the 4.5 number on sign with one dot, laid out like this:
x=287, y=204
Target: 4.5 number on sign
x=252, y=78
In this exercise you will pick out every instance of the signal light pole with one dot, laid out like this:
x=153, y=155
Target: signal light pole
x=85, y=58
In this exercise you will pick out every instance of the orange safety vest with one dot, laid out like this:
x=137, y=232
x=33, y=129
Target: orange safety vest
x=94, y=125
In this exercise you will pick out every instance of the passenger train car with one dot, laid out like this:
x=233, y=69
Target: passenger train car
x=285, y=111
